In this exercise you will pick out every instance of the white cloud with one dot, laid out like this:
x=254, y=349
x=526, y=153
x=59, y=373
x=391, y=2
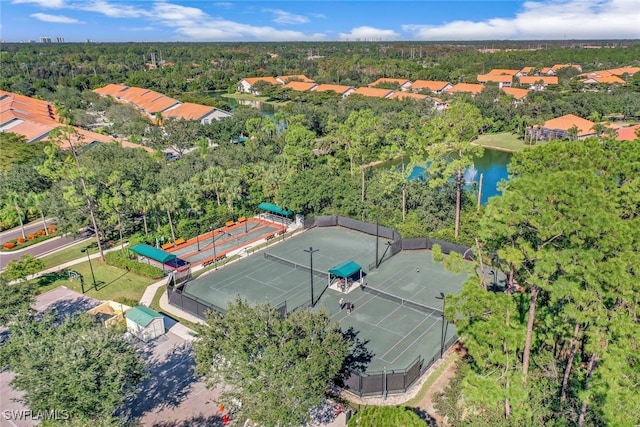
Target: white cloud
x=369, y=33
x=48, y=4
x=284, y=17
x=112, y=10
x=568, y=19
x=58, y=19
x=223, y=4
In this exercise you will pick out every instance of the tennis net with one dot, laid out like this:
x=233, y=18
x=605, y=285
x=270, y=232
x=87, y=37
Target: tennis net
x=294, y=264
x=404, y=302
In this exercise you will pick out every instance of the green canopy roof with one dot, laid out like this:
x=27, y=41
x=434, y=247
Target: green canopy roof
x=152, y=253
x=142, y=315
x=274, y=208
x=346, y=269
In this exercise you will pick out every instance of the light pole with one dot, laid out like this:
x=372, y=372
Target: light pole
x=93, y=276
x=213, y=242
x=442, y=333
x=377, y=238
x=310, y=251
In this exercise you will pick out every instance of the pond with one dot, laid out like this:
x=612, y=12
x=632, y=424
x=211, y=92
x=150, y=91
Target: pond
x=492, y=166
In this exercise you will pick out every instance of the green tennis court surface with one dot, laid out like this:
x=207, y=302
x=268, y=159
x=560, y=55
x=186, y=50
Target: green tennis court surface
x=395, y=333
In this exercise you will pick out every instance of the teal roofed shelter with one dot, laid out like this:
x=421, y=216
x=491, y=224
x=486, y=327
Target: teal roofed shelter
x=154, y=254
x=345, y=272
x=274, y=209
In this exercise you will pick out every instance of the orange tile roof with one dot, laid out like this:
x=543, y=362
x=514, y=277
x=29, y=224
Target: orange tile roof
x=611, y=79
x=566, y=122
x=628, y=133
x=405, y=95
x=188, y=111
x=333, y=88
x=500, y=71
x=110, y=89
x=372, y=91
x=35, y=119
x=382, y=80
x=300, y=86
x=432, y=85
x=546, y=80
x=526, y=70
x=466, y=88
x=254, y=80
x=545, y=70
x=495, y=78
x=298, y=77
x=624, y=70
x=515, y=92
x=557, y=67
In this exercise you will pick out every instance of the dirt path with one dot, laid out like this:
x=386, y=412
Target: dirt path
x=427, y=402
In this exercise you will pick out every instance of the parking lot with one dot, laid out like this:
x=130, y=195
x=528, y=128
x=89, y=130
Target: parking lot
x=171, y=396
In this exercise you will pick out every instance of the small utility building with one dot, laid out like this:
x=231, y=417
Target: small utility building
x=144, y=323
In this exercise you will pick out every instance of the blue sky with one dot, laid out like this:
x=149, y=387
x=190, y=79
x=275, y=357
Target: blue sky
x=196, y=20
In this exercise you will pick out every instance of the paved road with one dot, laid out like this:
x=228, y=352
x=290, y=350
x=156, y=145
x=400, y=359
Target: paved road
x=37, y=250
x=16, y=232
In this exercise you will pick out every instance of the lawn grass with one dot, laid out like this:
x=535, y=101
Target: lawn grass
x=65, y=255
x=113, y=283
x=505, y=141
x=155, y=304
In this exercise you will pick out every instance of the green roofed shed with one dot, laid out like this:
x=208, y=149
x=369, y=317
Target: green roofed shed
x=274, y=208
x=142, y=315
x=152, y=253
x=346, y=269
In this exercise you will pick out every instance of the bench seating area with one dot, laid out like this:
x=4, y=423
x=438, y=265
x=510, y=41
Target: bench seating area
x=270, y=236
x=180, y=241
x=167, y=246
x=217, y=259
x=242, y=219
x=229, y=223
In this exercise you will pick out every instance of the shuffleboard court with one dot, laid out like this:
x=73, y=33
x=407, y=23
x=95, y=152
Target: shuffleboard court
x=225, y=239
x=395, y=332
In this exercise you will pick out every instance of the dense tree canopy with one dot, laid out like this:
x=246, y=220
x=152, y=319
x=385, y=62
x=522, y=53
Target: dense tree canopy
x=276, y=369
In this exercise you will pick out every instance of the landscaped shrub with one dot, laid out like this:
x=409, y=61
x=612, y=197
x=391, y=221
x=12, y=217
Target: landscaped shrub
x=51, y=228
x=9, y=245
x=32, y=236
x=21, y=240
x=121, y=260
x=42, y=232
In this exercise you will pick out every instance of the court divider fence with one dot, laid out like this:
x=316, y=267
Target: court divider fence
x=392, y=381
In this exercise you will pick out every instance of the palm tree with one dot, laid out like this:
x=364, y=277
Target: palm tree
x=232, y=191
x=37, y=201
x=143, y=203
x=14, y=199
x=169, y=200
x=212, y=181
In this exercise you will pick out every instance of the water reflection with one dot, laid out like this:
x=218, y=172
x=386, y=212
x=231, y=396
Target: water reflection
x=492, y=166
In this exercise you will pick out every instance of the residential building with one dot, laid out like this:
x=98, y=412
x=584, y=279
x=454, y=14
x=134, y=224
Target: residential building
x=35, y=119
x=538, y=82
x=557, y=67
x=403, y=84
x=373, y=92
x=472, y=88
x=154, y=103
x=562, y=127
x=524, y=72
x=247, y=85
x=503, y=72
x=296, y=78
x=340, y=89
x=629, y=133
x=300, y=86
x=434, y=86
x=517, y=93
x=503, y=80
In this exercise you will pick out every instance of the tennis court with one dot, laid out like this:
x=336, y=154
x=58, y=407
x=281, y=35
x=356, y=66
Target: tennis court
x=206, y=247
x=396, y=331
